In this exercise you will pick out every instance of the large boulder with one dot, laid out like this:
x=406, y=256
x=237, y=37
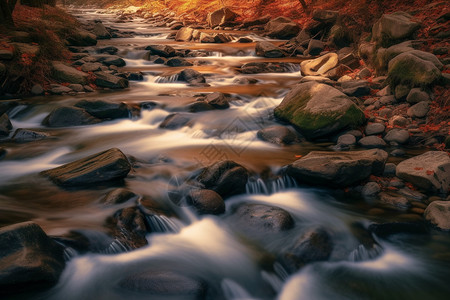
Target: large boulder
x=410, y=70
x=319, y=110
x=430, y=171
x=109, y=165
x=64, y=73
x=337, y=169
x=82, y=38
x=65, y=116
x=282, y=28
x=392, y=28
x=267, y=49
x=29, y=259
x=103, y=109
x=319, y=66
x=438, y=213
x=220, y=17
x=227, y=178
x=107, y=80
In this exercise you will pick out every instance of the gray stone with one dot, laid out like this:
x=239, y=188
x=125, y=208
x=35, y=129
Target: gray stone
x=100, y=31
x=57, y=89
x=355, y=88
x=388, y=100
x=399, y=136
x=374, y=128
x=319, y=110
x=107, y=80
x=325, y=16
x=69, y=116
x=82, y=38
x=372, y=142
x=76, y=87
x=416, y=95
x=398, y=121
x=91, y=67
x=337, y=169
x=37, y=89
x=389, y=169
x=68, y=74
x=364, y=73
x=438, y=213
x=107, y=166
x=394, y=201
x=370, y=190
x=430, y=171
x=346, y=139
x=419, y=110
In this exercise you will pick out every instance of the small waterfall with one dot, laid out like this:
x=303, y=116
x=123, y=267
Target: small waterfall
x=162, y=224
x=115, y=247
x=258, y=186
x=166, y=79
x=69, y=253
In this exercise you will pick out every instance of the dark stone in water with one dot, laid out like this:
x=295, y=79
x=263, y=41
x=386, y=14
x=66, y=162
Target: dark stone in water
x=69, y=116
x=109, y=49
x=267, y=49
x=118, y=196
x=200, y=106
x=165, y=283
x=107, y=80
x=227, y=178
x=206, y=202
x=109, y=165
x=160, y=61
x=103, y=109
x=29, y=259
x=191, y=76
x=178, y=62
x=129, y=227
x=217, y=100
x=135, y=76
x=267, y=67
x=175, y=121
x=5, y=125
x=315, y=245
x=277, y=134
x=161, y=50
x=261, y=219
x=26, y=135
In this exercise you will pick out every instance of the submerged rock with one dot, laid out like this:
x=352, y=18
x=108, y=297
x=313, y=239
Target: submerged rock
x=319, y=110
x=29, y=259
x=109, y=165
x=337, y=169
x=227, y=178
x=430, y=171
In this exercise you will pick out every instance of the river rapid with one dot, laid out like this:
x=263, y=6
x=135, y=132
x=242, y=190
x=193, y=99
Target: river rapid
x=212, y=256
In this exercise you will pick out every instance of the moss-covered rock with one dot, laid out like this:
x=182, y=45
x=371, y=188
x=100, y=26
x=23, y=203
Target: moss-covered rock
x=318, y=110
x=411, y=70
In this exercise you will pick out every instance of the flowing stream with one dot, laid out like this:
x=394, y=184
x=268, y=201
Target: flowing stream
x=208, y=249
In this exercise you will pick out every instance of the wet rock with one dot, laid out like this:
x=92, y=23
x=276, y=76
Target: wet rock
x=26, y=135
x=399, y=136
x=244, y=40
x=346, y=140
x=109, y=165
x=282, y=28
x=191, y=76
x=168, y=284
x=184, y=34
x=118, y=196
x=267, y=67
x=111, y=60
x=389, y=170
x=392, y=28
x=320, y=65
x=411, y=70
x=178, y=62
x=82, y=38
x=314, y=245
x=175, y=121
x=374, y=128
x=430, y=171
x=91, y=67
x=100, y=31
x=419, y=110
x=279, y=135
x=398, y=153
x=337, y=169
x=394, y=201
x=315, y=47
x=226, y=178
x=267, y=49
x=161, y=50
x=416, y=95
x=69, y=116
x=438, y=213
x=6, y=54
x=68, y=74
x=370, y=190
x=37, y=90
x=355, y=88
x=107, y=80
x=319, y=110
x=220, y=17
x=217, y=100
x=261, y=219
x=200, y=106
x=128, y=226
x=111, y=50
x=57, y=89
x=135, y=76
x=29, y=259
x=372, y=142
x=206, y=202
x=5, y=125
x=103, y=109
x=160, y=61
